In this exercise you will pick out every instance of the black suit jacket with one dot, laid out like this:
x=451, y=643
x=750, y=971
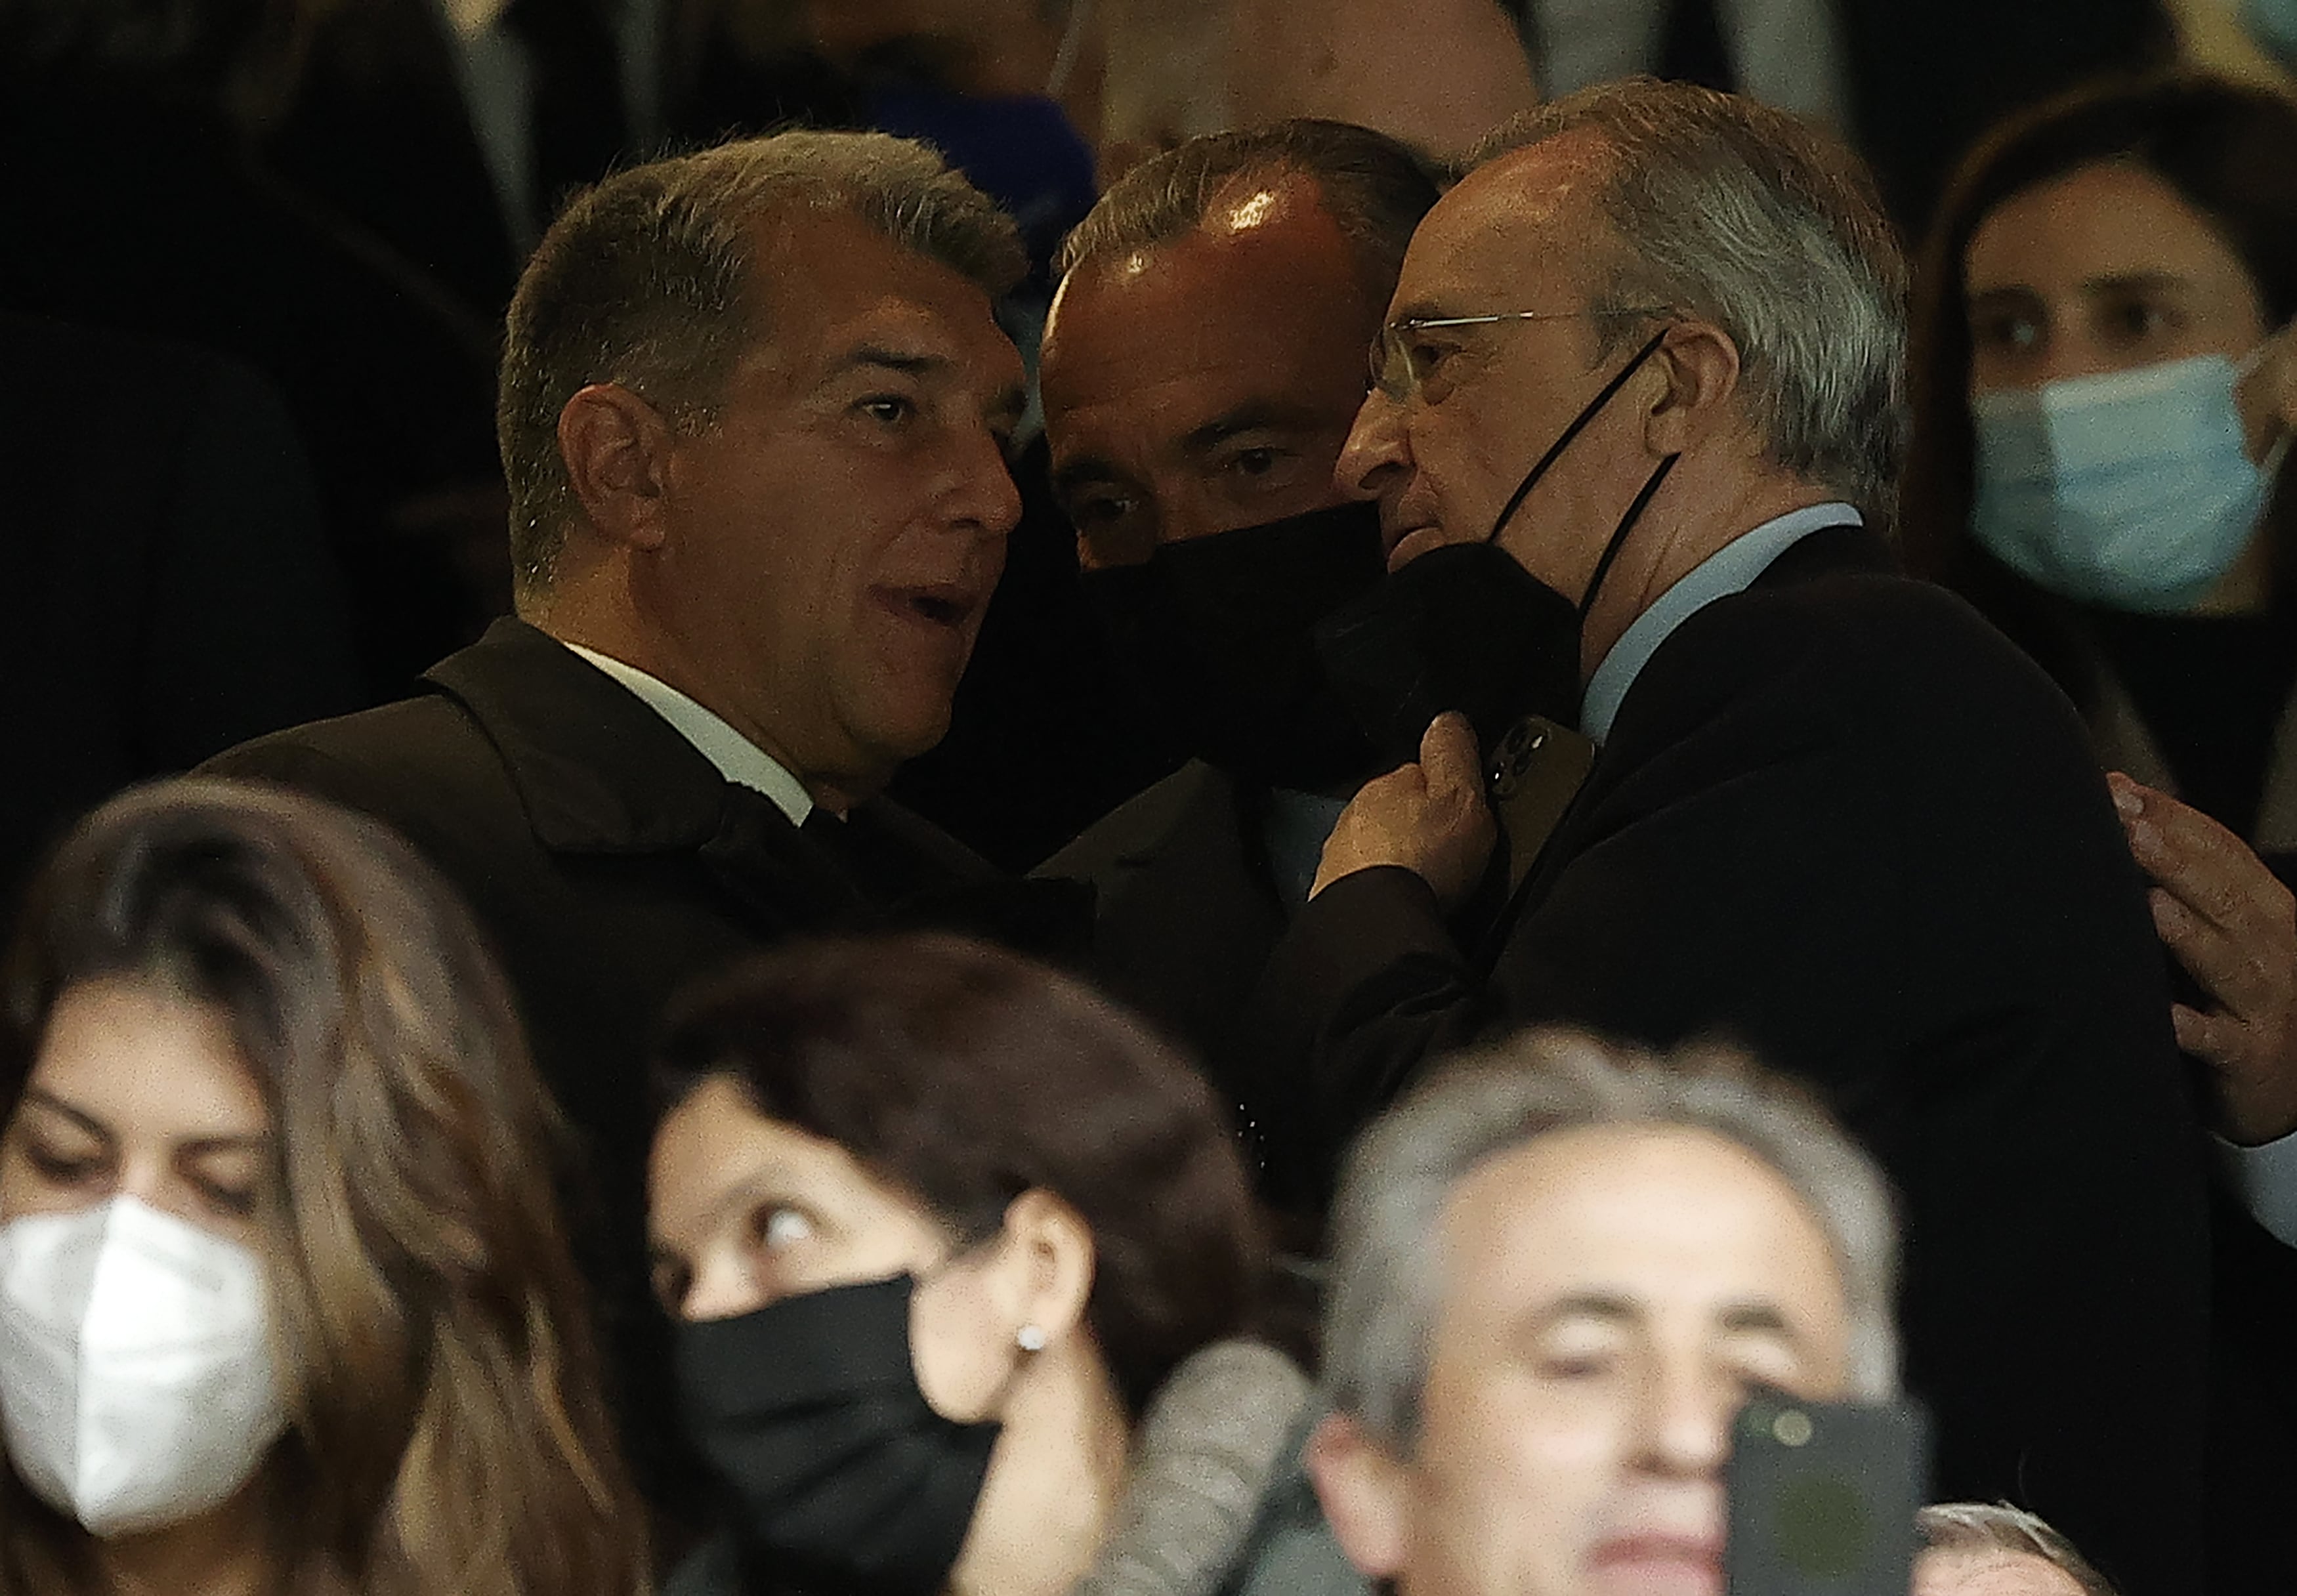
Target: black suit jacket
x=610, y=862
x=1841, y=820
x=1185, y=912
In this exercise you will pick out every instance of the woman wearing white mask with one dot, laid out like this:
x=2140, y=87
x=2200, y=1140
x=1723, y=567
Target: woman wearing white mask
x=284, y=1303
x=2105, y=392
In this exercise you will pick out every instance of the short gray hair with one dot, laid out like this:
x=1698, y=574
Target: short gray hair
x=1388, y=1280
x=646, y=281
x=1978, y=1526
x=1739, y=214
x=1376, y=187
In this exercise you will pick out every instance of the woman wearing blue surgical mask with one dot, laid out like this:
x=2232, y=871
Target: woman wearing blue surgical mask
x=963, y=1261
x=2104, y=388
x=285, y=1304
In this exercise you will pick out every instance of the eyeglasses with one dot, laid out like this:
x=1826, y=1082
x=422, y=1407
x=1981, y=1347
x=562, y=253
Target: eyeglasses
x=1400, y=367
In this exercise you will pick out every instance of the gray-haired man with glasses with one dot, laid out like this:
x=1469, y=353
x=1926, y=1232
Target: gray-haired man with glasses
x=1639, y=395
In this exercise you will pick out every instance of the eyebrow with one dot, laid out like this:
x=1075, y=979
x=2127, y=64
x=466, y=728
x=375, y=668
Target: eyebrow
x=196, y=1147
x=1584, y=1305
x=2121, y=281
x=78, y=1116
x=2112, y=283
x=1417, y=310
x=1253, y=415
x=1008, y=406
x=1089, y=470
x=913, y=363
x=1752, y=1315
x=770, y=1184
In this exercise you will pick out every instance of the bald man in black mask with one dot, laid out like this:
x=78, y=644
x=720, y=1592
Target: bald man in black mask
x=1203, y=363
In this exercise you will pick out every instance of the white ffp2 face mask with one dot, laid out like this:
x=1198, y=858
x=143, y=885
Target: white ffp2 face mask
x=137, y=1379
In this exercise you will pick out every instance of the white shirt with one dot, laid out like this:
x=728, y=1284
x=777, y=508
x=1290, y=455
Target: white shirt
x=1727, y=571
x=738, y=760
x=2267, y=1177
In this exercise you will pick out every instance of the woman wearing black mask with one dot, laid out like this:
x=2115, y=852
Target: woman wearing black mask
x=961, y=1257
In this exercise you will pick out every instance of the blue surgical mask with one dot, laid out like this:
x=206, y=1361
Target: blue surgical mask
x=2273, y=23
x=2131, y=490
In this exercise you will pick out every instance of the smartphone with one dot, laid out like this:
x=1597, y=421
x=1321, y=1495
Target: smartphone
x=1823, y=1498
x=1531, y=777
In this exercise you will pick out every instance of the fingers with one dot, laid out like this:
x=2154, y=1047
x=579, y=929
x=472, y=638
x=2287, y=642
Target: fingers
x=1449, y=759
x=2212, y=871
x=2214, y=1038
x=2223, y=965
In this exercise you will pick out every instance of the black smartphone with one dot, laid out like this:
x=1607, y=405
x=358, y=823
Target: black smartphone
x=1823, y=1498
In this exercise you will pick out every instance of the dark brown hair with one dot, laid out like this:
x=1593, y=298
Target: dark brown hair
x=2228, y=150
x=647, y=281
x=447, y=1432
x=966, y=1076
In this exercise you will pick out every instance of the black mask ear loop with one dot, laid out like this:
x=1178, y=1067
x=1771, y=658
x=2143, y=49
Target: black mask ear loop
x=1594, y=408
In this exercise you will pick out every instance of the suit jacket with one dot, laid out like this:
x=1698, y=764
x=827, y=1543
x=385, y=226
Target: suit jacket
x=610, y=862
x=1185, y=912
x=1842, y=821
x=169, y=589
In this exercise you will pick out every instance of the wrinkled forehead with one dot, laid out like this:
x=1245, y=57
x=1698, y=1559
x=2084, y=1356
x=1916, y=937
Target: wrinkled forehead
x=1522, y=232
x=818, y=278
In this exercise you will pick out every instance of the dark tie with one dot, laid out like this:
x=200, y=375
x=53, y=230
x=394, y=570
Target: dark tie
x=577, y=125
x=795, y=882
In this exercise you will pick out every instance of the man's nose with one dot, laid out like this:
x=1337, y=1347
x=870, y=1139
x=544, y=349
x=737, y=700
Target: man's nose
x=1375, y=450
x=1683, y=1420
x=982, y=495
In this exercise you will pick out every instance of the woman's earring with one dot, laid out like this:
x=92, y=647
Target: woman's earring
x=1032, y=1338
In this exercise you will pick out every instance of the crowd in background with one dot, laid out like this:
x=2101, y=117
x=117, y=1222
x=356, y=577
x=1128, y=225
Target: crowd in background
x=892, y=888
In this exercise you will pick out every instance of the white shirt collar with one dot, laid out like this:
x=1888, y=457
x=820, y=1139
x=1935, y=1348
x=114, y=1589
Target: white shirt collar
x=738, y=760
x=1727, y=571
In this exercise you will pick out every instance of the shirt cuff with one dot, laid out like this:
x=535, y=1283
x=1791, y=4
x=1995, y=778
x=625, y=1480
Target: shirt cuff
x=2267, y=1176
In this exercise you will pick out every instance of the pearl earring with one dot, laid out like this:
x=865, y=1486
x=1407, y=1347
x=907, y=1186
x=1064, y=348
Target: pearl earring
x=1032, y=1338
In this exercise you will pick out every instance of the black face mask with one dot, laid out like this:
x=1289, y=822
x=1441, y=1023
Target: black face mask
x=838, y=1474
x=1217, y=635
x=1464, y=627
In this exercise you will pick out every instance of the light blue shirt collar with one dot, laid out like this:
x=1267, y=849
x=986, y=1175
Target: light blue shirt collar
x=1727, y=571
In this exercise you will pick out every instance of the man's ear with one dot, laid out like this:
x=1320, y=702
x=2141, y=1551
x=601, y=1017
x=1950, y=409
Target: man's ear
x=1363, y=1492
x=1700, y=363
x=1047, y=1274
x=616, y=448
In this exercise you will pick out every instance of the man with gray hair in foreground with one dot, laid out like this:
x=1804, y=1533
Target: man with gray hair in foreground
x=1558, y=1270
x=1639, y=388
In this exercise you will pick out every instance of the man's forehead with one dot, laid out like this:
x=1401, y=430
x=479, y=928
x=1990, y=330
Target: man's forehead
x=1524, y=223
x=1261, y=248
x=821, y=281
x=1272, y=309
x=1540, y=1215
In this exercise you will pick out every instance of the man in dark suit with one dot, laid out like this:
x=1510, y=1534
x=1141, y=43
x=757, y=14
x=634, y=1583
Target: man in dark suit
x=1202, y=365
x=753, y=405
x=1832, y=815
